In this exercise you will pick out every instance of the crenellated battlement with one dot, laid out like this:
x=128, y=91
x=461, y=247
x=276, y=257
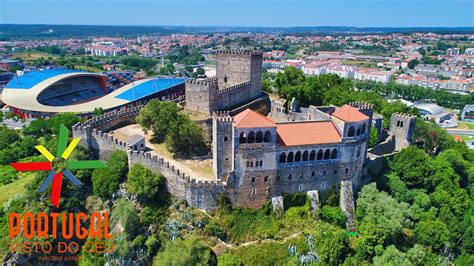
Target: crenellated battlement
x=235, y=87
x=403, y=116
x=203, y=82
x=238, y=52
x=223, y=116
x=102, y=120
x=362, y=105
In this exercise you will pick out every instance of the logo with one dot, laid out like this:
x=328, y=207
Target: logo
x=59, y=165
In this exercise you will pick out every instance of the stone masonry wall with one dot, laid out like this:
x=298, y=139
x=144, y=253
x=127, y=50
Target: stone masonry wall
x=93, y=134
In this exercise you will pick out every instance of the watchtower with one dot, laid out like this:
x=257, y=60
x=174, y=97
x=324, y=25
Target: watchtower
x=402, y=126
x=238, y=66
x=223, y=144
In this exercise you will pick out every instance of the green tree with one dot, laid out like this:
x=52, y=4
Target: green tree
x=411, y=64
x=431, y=233
x=374, y=137
x=143, y=182
x=125, y=219
x=185, y=138
x=412, y=166
x=106, y=181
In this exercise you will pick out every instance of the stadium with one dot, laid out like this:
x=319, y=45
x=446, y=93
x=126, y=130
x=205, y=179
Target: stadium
x=47, y=92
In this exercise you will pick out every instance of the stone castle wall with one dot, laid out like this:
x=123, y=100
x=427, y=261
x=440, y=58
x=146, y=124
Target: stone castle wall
x=94, y=135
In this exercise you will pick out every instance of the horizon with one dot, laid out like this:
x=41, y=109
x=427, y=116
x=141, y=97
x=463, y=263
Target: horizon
x=243, y=13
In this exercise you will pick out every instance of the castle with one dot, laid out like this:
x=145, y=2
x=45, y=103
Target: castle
x=256, y=157
x=238, y=81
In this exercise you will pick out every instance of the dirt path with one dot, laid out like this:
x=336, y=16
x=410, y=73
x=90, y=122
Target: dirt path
x=196, y=169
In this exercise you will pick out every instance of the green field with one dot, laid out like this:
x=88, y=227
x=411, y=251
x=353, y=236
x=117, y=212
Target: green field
x=18, y=186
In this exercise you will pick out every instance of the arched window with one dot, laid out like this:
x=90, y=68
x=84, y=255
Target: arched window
x=334, y=154
x=327, y=154
x=261, y=163
x=358, y=131
x=225, y=79
x=363, y=128
x=259, y=138
x=242, y=138
x=350, y=132
x=401, y=123
x=290, y=157
x=251, y=163
x=298, y=156
x=225, y=139
x=289, y=177
x=253, y=179
x=305, y=155
x=283, y=157
x=398, y=123
x=267, y=137
x=347, y=170
x=248, y=164
x=320, y=154
x=312, y=155
x=251, y=137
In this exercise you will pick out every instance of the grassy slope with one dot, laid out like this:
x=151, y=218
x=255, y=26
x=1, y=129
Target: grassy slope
x=9, y=190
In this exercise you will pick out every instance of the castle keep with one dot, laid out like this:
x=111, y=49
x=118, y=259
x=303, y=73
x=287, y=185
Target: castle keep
x=256, y=157
x=238, y=81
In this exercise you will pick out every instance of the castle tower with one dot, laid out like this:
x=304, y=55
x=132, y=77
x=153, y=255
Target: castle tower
x=201, y=94
x=238, y=66
x=402, y=126
x=222, y=144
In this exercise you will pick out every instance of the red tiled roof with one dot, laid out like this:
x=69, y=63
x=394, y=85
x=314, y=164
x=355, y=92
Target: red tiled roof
x=250, y=119
x=306, y=133
x=348, y=113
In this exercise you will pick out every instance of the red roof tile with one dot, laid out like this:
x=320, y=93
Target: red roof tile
x=250, y=119
x=307, y=133
x=348, y=113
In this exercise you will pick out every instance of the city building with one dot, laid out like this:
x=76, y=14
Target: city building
x=467, y=113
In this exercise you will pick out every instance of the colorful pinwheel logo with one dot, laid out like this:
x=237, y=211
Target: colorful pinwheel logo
x=59, y=165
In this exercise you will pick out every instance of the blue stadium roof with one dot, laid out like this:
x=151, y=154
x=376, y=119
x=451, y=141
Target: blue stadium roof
x=30, y=79
x=148, y=88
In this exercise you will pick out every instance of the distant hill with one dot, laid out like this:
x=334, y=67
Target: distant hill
x=14, y=31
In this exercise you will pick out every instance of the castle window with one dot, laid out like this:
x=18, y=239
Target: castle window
x=259, y=138
x=300, y=187
x=248, y=164
x=278, y=178
x=225, y=139
x=312, y=174
x=283, y=157
x=261, y=163
x=305, y=155
x=242, y=138
x=225, y=79
x=290, y=157
x=350, y=132
x=401, y=123
x=335, y=171
x=312, y=155
x=324, y=172
x=226, y=159
x=334, y=154
x=398, y=123
x=358, y=131
x=251, y=137
x=289, y=176
x=265, y=179
x=267, y=137
x=326, y=154
x=358, y=152
x=320, y=154
x=251, y=163
x=254, y=191
x=298, y=156
x=347, y=170
x=253, y=179
x=363, y=128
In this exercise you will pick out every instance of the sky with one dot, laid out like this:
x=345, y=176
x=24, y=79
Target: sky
x=274, y=13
